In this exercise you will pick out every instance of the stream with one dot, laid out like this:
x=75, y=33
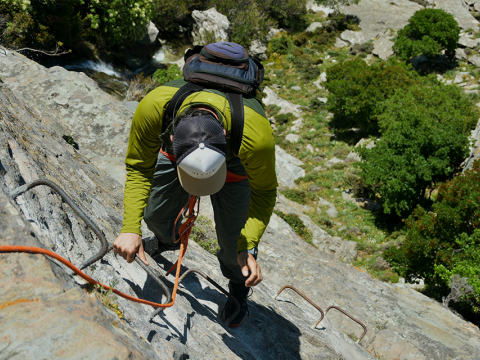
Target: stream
x=114, y=79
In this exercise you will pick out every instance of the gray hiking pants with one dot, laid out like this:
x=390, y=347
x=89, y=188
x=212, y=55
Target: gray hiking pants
x=230, y=206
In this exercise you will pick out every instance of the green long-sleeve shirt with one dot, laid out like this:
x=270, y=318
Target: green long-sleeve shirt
x=257, y=155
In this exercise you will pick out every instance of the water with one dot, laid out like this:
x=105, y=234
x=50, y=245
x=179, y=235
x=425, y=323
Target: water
x=92, y=66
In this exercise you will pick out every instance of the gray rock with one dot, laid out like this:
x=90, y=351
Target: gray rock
x=314, y=26
x=383, y=48
x=287, y=167
x=276, y=86
x=355, y=49
x=353, y=230
x=459, y=12
x=66, y=322
x=471, y=91
x=150, y=37
x=258, y=50
x=377, y=19
x=333, y=161
x=342, y=250
x=131, y=105
x=310, y=148
x=468, y=42
x=339, y=43
x=286, y=106
x=293, y=138
x=313, y=188
x=296, y=87
x=297, y=125
x=323, y=100
x=474, y=149
x=209, y=26
x=461, y=77
x=332, y=212
x=474, y=60
x=460, y=54
x=77, y=107
x=311, y=4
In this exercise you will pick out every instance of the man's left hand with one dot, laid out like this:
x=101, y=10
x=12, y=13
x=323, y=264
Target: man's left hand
x=247, y=262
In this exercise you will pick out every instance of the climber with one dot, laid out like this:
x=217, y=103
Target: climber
x=183, y=141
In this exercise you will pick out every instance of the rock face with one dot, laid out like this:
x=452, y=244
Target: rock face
x=342, y=250
x=209, y=26
x=67, y=323
x=258, y=50
x=286, y=107
x=459, y=12
x=76, y=107
x=287, y=168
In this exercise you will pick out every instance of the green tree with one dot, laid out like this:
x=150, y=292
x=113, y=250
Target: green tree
x=356, y=90
x=425, y=131
x=429, y=31
x=443, y=244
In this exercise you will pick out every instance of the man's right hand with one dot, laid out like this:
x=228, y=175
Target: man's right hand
x=127, y=245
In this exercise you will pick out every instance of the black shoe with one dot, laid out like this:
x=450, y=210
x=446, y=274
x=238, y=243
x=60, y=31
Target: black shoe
x=241, y=293
x=153, y=247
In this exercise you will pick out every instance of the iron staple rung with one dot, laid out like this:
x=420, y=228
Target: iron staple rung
x=326, y=311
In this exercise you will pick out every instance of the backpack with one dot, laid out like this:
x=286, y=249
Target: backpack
x=223, y=66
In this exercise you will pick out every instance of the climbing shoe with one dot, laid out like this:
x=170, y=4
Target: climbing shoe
x=153, y=247
x=241, y=293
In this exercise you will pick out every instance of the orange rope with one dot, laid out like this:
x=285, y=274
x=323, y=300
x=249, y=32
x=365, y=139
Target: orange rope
x=178, y=264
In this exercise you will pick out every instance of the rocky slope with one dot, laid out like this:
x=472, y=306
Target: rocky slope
x=30, y=148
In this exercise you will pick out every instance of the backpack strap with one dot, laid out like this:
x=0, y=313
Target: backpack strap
x=177, y=101
x=238, y=118
x=236, y=110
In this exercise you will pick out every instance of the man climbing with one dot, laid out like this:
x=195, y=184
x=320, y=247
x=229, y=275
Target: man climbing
x=193, y=154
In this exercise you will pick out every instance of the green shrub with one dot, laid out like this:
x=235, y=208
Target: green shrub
x=425, y=131
x=172, y=73
x=297, y=225
x=168, y=14
x=286, y=13
x=284, y=118
x=428, y=32
x=356, y=89
x=204, y=234
x=299, y=196
x=445, y=241
x=300, y=40
x=280, y=45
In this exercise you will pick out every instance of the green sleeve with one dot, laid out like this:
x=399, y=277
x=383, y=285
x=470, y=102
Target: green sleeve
x=143, y=148
x=257, y=155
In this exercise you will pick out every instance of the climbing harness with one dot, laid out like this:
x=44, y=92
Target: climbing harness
x=188, y=212
x=326, y=311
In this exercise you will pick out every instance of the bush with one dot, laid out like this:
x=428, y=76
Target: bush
x=356, y=89
x=428, y=32
x=425, y=131
x=445, y=241
x=280, y=45
x=121, y=21
x=172, y=73
x=299, y=196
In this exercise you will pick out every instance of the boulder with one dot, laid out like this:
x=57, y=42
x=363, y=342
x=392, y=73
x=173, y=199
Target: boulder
x=286, y=106
x=287, y=167
x=258, y=50
x=474, y=60
x=468, y=42
x=150, y=37
x=293, y=138
x=333, y=161
x=383, y=48
x=460, y=54
x=474, y=149
x=313, y=26
x=209, y=26
x=312, y=5
x=339, y=43
x=462, y=77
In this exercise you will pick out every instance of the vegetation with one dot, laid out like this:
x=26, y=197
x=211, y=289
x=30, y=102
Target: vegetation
x=428, y=32
x=203, y=233
x=444, y=243
x=425, y=131
x=297, y=225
